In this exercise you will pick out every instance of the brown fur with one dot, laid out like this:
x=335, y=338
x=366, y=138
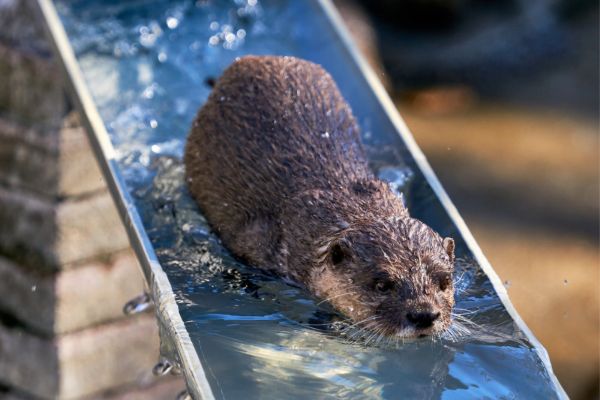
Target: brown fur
x=275, y=161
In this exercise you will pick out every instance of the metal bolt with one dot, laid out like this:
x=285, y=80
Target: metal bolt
x=176, y=370
x=137, y=304
x=162, y=368
x=184, y=396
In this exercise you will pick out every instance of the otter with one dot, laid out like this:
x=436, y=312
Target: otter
x=275, y=162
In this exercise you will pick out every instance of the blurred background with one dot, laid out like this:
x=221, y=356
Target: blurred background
x=502, y=97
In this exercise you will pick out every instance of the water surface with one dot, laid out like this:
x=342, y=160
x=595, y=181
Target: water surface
x=146, y=64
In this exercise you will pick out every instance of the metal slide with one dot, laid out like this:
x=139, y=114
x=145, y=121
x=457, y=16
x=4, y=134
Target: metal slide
x=137, y=73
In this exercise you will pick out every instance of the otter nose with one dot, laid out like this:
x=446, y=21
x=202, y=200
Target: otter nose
x=422, y=319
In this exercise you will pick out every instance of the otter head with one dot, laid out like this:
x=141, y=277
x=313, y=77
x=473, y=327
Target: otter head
x=392, y=277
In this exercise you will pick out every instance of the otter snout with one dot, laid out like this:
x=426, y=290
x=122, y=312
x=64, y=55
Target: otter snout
x=422, y=319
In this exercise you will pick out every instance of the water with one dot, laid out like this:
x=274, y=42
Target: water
x=147, y=64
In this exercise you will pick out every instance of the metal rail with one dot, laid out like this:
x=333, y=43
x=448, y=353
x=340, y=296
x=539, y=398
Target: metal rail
x=161, y=291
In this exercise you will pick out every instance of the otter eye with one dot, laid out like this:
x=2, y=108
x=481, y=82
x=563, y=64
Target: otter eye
x=445, y=281
x=384, y=286
x=337, y=254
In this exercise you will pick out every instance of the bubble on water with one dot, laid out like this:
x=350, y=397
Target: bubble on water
x=145, y=73
x=213, y=40
x=241, y=33
x=162, y=57
x=229, y=37
x=153, y=123
x=196, y=45
x=181, y=106
x=172, y=22
x=150, y=91
x=214, y=26
x=149, y=34
x=123, y=49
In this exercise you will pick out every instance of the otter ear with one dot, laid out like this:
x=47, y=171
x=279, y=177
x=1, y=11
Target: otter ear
x=448, y=244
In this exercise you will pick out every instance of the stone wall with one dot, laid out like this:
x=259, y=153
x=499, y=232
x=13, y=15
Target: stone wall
x=66, y=268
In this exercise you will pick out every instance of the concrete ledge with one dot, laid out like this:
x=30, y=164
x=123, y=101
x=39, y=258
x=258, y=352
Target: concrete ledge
x=31, y=90
x=79, y=171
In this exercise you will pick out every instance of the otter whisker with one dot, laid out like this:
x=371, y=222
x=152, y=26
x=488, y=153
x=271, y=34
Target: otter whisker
x=333, y=297
x=376, y=334
x=362, y=321
x=368, y=338
x=463, y=311
x=466, y=321
x=367, y=328
x=350, y=328
x=463, y=326
x=359, y=330
x=382, y=335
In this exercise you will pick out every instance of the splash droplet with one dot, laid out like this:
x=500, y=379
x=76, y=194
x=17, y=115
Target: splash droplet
x=172, y=22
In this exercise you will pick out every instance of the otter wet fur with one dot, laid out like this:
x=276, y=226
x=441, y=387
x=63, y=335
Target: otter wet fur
x=275, y=162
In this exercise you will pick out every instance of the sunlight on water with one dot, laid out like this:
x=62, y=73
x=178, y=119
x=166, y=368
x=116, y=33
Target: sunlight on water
x=147, y=64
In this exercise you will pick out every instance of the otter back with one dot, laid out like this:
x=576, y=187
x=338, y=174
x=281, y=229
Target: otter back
x=271, y=128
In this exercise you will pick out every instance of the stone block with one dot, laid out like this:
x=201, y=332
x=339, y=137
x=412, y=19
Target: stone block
x=164, y=388
x=79, y=172
x=31, y=89
x=167, y=388
x=53, y=235
x=66, y=301
x=59, y=165
x=83, y=363
x=21, y=26
x=25, y=163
